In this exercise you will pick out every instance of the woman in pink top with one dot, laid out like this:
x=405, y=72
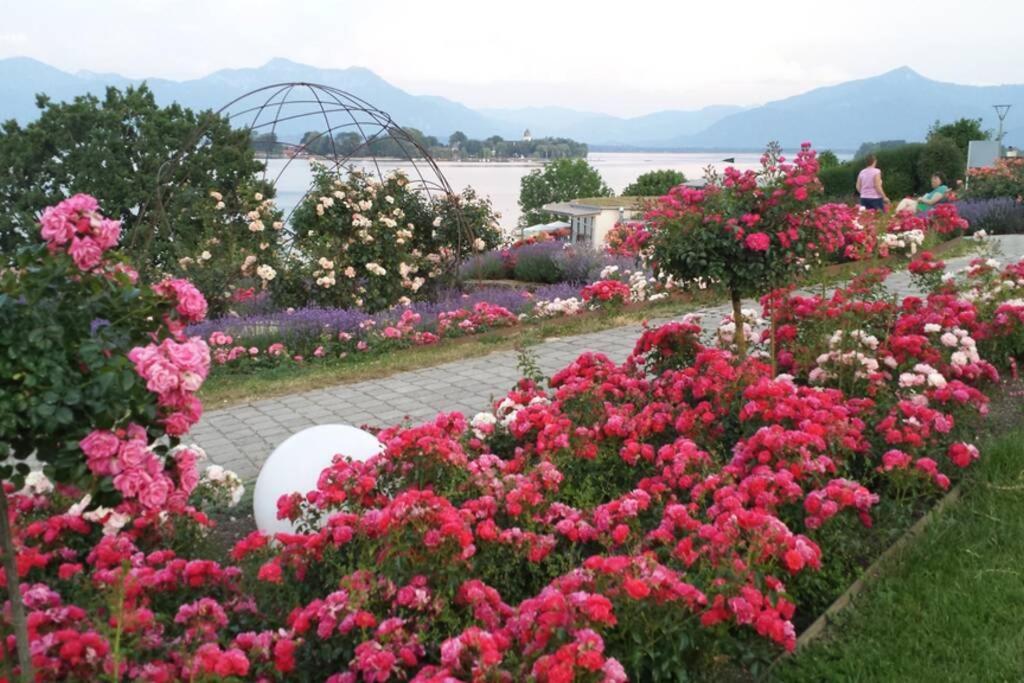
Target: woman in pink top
x=869, y=186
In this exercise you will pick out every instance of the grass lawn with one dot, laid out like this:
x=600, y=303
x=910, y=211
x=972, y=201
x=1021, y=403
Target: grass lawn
x=951, y=607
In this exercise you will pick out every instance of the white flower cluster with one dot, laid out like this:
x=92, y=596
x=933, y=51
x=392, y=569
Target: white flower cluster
x=218, y=478
x=753, y=324
x=908, y=241
x=266, y=273
x=847, y=349
x=483, y=424
x=922, y=375
x=553, y=308
x=376, y=269
x=965, y=350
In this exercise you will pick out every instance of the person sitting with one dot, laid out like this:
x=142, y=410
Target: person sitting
x=939, y=193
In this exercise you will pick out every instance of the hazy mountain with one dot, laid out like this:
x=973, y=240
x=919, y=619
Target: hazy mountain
x=603, y=129
x=900, y=104
x=21, y=78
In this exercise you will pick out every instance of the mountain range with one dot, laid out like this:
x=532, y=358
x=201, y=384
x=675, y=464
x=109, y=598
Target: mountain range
x=897, y=105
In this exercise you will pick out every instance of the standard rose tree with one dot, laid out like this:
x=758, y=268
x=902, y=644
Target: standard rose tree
x=748, y=230
x=94, y=371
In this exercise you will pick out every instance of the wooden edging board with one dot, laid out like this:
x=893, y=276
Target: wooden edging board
x=820, y=625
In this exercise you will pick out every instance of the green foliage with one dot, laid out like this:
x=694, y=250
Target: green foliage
x=867, y=148
x=900, y=173
x=941, y=155
x=115, y=149
x=654, y=183
x=960, y=132
x=63, y=362
x=236, y=237
x=828, y=159
x=558, y=181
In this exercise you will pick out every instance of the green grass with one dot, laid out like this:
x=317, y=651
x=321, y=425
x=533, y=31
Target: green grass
x=951, y=607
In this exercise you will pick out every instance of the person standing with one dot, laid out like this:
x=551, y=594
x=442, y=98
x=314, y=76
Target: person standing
x=869, y=186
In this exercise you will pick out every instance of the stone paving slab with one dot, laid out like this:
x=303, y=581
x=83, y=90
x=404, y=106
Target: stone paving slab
x=241, y=437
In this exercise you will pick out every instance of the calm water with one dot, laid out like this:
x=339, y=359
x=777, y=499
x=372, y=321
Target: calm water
x=500, y=181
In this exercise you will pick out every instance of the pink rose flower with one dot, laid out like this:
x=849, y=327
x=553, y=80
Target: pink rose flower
x=100, y=443
x=758, y=241
x=108, y=234
x=55, y=227
x=132, y=482
x=155, y=494
x=85, y=252
x=177, y=424
x=133, y=454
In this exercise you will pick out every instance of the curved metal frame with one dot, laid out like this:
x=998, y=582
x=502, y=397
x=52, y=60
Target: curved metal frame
x=270, y=109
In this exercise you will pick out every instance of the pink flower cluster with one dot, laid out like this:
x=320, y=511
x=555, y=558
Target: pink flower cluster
x=76, y=227
x=174, y=371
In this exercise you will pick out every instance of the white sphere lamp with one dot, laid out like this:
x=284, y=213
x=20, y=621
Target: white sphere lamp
x=296, y=464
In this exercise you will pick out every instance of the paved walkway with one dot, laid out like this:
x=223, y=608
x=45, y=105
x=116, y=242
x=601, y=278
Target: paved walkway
x=241, y=437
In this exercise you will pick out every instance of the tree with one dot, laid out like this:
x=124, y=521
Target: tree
x=961, y=132
x=457, y=139
x=828, y=159
x=654, y=183
x=941, y=155
x=867, y=148
x=558, y=181
x=118, y=149
x=746, y=231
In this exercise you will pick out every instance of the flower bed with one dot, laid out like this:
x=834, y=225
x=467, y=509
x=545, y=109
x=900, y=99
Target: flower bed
x=305, y=335
x=676, y=513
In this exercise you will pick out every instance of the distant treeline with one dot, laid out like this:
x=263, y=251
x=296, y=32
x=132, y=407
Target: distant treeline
x=458, y=146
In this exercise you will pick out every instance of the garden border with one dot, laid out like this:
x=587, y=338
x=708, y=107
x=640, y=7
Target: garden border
x=873, y=572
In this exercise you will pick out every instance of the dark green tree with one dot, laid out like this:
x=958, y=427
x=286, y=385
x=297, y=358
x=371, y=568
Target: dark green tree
x=943, y=156
x=961, y=132
x=867, y=148
x=654, y=183
x=120, y=149
x=827, y=159
x=457, y=139
x=558, y=181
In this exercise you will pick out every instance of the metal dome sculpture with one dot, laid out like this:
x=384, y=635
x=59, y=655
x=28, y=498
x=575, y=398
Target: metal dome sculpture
x=296, y=122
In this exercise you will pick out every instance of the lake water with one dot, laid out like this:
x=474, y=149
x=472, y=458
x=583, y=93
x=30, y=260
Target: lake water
x=500, y=180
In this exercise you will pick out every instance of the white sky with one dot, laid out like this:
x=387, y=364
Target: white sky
x=623, y=58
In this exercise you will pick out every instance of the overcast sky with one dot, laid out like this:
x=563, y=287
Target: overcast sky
x=623, y=58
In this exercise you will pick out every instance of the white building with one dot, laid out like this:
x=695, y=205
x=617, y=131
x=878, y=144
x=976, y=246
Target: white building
x=591, y=219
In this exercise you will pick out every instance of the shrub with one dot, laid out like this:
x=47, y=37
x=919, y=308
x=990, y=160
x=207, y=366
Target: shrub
x=900, y=173
x=654, y=183
x=941, y=155
x=490, y=265
x=579, y=263
x=1004, y=179
x=361, y=242
x=998, y=216
x=538, y=262
x=235, y=249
